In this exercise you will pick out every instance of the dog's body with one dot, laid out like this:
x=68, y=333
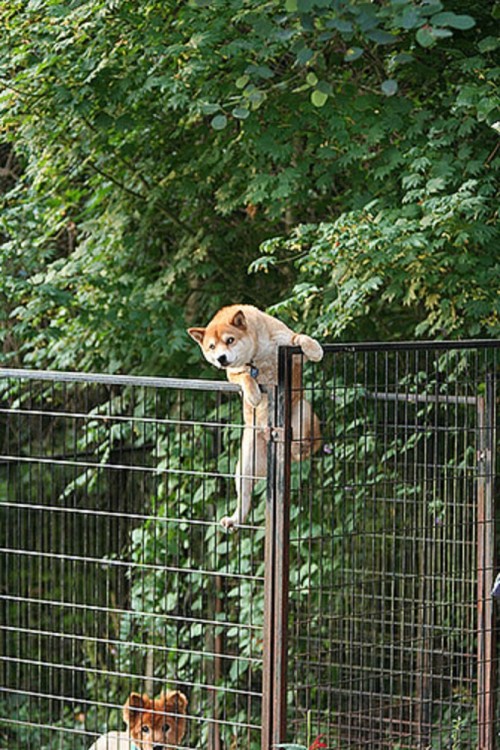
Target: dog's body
x=115, y=741
x=151, y=724
x=244, y=341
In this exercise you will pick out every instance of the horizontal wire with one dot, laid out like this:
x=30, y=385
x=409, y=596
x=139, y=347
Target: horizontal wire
x=115, y=706
x=130, y=613
x=123, y=467
x=174, y=520
x=129, y=676
x=88, y=733
x=153, y=648
x=104, y=562
x=127, y=419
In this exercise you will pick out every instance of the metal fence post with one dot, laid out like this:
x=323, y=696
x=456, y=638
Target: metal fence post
x=277, y=558
x=486, y=688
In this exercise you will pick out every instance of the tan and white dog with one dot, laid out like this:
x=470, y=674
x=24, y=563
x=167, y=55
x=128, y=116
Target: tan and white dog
x=151, y=724
x=244, y=341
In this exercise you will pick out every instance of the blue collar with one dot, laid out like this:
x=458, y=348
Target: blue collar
x=254, y=371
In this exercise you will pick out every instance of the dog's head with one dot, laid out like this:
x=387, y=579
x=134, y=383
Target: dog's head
x=226, y=341
x=156, y=724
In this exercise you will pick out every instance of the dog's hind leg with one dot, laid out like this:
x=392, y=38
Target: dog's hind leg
x=251, y=467
x=306, y=430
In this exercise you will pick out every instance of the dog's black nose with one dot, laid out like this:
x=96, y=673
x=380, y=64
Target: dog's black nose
x=222, y=360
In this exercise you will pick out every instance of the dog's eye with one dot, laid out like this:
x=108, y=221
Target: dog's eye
x=229, y=340
x=212, y=346
x=166, y=727
x=145, y=729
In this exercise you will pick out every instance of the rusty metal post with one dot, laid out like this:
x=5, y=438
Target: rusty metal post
x=277, y=557
x=486, y=688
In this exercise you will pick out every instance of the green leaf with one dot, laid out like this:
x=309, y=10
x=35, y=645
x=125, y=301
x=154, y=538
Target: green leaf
x=353, y=53
x=318, y=98
x=389, y=87
x=403, y=58
x=345, y=27
x=208, y=108
x=103, y=120
x=410, y=18
x=219, y=122
x=256, y=97
x=441, y=33
x=241, y=113
x=489, y=44
x=424, y=37
x=380, y=37
x=242, y=81
x=264, y=263
x=312, y=79
x=291, y=6
x=453, y=20
x=432, y=6
x=125, y=122
x=324, y=87
x=304, y=55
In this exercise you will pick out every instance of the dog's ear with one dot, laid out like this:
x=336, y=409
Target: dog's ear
x=197, y=334
x=176, y=702
x=239, y=320
x=136, y=704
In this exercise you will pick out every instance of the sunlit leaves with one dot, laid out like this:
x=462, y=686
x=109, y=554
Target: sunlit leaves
x=318, y=98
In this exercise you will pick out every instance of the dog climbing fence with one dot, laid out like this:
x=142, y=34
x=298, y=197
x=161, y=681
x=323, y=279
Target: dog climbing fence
x=354, y=603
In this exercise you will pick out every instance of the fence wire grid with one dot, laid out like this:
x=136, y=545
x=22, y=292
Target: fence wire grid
x=391, y=624
x=355, y=601
x=115, y=577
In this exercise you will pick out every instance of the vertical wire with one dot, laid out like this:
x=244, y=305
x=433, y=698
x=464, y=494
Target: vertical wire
x=410, y=386
x=418, y=501
x=25, y=539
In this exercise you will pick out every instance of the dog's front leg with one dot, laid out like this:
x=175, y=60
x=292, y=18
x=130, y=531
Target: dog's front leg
x=251, y=467
x=251, y=391
x=311, y=348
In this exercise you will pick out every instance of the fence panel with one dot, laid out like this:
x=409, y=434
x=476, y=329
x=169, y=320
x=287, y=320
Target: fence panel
x=115, y=576
x=391, y=624
x=361, y=610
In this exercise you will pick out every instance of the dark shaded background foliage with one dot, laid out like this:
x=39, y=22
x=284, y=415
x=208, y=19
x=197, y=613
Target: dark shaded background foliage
x=150, y=148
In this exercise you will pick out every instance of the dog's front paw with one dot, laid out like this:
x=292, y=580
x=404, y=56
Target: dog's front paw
x=311, y=348
x=252, y=394
x=229, y=523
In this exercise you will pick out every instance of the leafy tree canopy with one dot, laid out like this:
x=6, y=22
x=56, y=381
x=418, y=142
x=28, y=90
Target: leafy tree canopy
x=151, y=148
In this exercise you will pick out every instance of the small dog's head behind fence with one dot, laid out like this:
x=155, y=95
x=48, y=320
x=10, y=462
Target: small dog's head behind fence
x=154, y=724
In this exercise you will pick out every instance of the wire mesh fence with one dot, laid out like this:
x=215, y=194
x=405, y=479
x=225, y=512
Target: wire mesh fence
x=115, y=578
x=391, y=621
x=354, y=602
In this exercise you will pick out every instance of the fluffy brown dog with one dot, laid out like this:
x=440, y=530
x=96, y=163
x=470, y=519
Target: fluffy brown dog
x=244, y=341
x=151, y=724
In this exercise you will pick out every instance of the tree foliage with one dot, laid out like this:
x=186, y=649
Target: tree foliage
x=150, y=148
